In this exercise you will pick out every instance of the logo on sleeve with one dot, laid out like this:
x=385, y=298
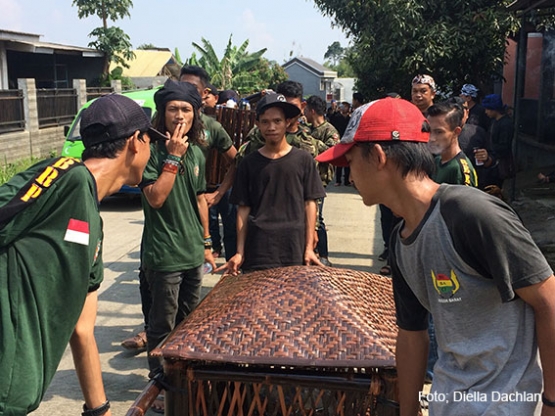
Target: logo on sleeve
x=77, y=232
x=446, y=286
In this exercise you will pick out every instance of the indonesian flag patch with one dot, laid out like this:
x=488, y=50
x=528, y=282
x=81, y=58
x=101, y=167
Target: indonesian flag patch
x=77, y=232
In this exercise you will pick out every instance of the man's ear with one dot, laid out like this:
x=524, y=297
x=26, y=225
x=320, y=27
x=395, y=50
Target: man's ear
x=457, y=130
x=379, y=156
x=133, y=142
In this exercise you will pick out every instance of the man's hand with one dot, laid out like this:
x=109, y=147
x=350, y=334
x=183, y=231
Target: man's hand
x=178, y=143
x=232, y=266
x=212, y=198
x=311, y=258
x=209, y=258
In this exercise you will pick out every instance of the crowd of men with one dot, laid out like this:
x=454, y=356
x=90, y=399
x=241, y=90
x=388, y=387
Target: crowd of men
x=454, y=252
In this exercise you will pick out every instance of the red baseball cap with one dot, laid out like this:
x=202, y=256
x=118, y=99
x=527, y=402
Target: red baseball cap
x=389, y=119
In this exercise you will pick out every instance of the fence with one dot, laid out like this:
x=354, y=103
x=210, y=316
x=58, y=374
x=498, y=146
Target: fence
x=12, y=117
x=95, y=92
x=56, y=106
x=237, y=123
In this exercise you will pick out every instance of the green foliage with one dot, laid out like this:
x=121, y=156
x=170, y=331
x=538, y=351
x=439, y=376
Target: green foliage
x=335, y=53
x=147, y=46
x=455, y=41
x=116, y=45
x=113, y=41
x=7, y=170
x=177, y=56
x=117, y=74
x=104, y=9
x=238, y=69
x=339, y=60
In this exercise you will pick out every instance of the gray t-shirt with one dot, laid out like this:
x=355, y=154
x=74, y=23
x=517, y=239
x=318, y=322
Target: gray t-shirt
x=462, y=264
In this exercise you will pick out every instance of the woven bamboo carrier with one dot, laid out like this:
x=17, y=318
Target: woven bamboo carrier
x=289, y=341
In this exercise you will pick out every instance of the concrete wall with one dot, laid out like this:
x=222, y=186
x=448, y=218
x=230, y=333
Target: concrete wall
x=35, y=142
x=22, y=145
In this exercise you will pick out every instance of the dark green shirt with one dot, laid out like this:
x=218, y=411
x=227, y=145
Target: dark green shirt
x=215, y=135
x=50, y=257
x=173, y=236
x=457, y=171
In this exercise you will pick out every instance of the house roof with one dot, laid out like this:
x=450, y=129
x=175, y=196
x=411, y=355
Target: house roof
x=312, y=66
x=150, y=63
x=30, y=42
x=525, y=6
x=13, y=35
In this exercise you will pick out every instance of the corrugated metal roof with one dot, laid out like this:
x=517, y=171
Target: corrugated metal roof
x=48, y=47
x=149, y=63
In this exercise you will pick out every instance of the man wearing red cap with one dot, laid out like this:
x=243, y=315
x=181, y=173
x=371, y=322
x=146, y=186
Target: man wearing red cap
x=465, y=257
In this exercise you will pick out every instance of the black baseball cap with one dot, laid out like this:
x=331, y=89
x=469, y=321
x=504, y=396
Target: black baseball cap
x=277, y=100
x=113, y=117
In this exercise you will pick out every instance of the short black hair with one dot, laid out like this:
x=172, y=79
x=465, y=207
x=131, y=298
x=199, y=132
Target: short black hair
x=290, y=89
x=453, y=112
x=410, y=157
x=196, y=71
x=359, y=97
x=104, y=150
x=317, y=104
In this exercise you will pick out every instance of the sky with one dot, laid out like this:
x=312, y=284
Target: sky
x=282, y=27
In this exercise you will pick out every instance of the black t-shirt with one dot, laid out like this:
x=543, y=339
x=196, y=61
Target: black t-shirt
x=502, y=132
x=477, y=116
x=276, y=191
x=340, y=122
x=471, y=137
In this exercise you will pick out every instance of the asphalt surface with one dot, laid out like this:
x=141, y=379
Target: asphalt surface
x=354, y=242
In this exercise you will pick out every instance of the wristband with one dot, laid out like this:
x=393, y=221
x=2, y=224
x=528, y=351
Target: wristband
x=171, y=168
x=97, y=411
x=174, y=158
x=546, y=402
x=208, y=242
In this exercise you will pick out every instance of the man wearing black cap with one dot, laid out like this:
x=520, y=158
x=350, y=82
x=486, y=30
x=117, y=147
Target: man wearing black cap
x=276, y=189
x=51, y=255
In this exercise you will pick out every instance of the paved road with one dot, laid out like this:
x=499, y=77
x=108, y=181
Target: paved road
x=354, y=242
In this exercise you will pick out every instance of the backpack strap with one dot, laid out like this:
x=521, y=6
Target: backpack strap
x=36, y=186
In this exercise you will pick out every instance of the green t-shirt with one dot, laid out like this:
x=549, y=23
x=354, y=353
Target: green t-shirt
x=215, y=135
x=457, y=171
x=173, y=237
x=50, y=258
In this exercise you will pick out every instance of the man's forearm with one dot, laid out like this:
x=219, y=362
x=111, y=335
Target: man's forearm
x=85, y=354
x=203, y=213
x=242, y=219
x=411, y=356
x=310, y=212
x=540, y=298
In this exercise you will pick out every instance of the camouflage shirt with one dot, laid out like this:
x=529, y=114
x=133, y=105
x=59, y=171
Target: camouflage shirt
x=326, y=133
x=327, y=136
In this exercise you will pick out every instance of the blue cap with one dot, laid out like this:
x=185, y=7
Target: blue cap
x=493, y=102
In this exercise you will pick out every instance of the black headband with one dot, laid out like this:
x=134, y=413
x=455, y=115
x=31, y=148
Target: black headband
x=177, y=91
